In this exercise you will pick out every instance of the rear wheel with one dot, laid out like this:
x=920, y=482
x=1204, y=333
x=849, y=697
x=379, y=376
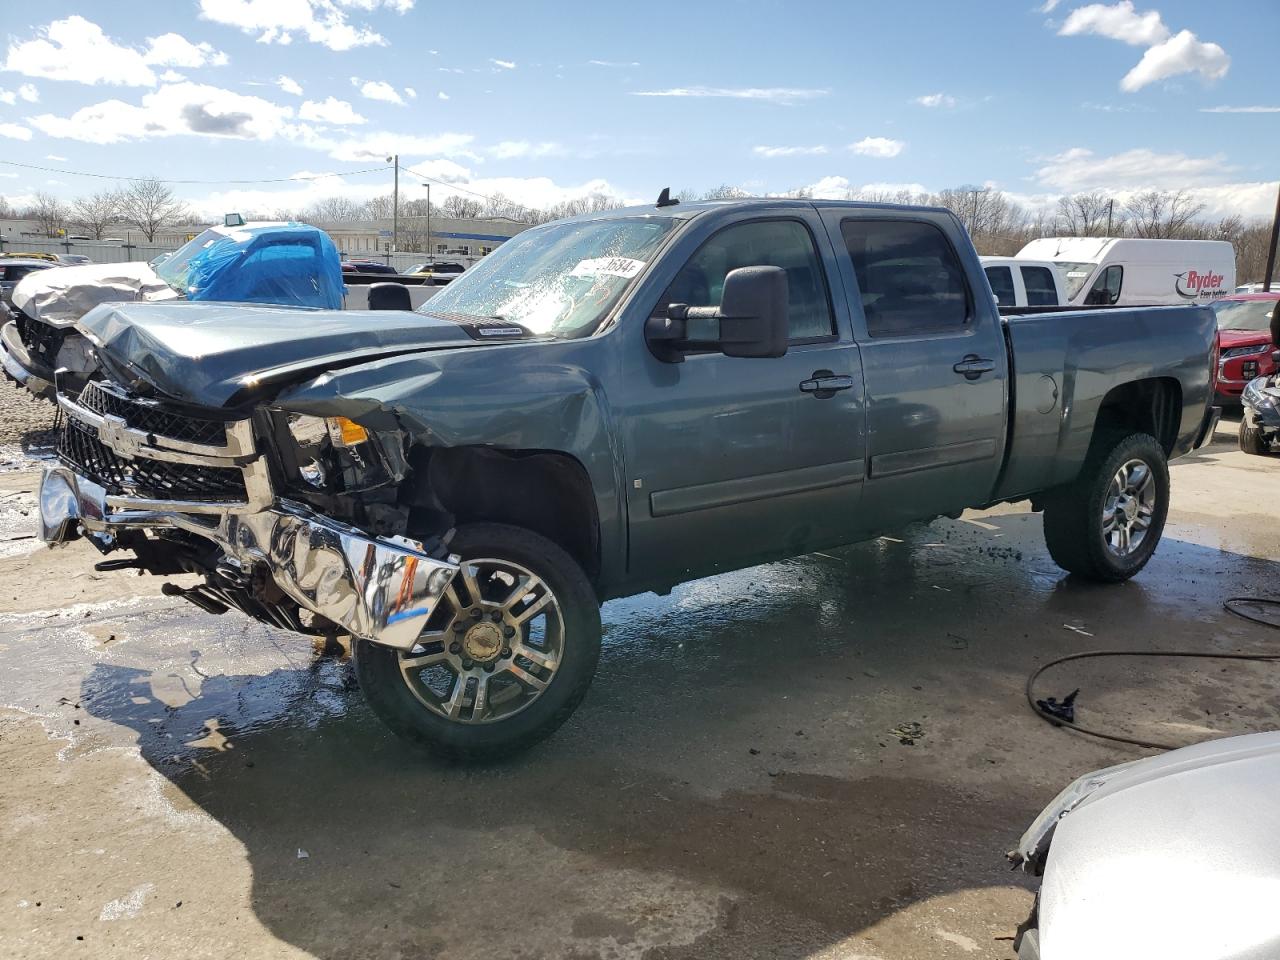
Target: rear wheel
x=1252, y=441
x=1106, y=524
x=504, y=660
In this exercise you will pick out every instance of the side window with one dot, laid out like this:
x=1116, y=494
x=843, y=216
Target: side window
x=771, y=243
x=1001, y=280
x=908, y=277
x=1041, y=291
x=1106, y=289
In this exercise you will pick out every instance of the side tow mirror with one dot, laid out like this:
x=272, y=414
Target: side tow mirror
x=751, y=320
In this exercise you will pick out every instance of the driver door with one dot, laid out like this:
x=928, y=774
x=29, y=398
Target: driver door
x=733, y=460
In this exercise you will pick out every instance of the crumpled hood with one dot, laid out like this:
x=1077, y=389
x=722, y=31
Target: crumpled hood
x=207, y=353
x=62, y=295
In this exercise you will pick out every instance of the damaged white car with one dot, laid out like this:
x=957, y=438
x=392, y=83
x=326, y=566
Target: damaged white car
x=1175, y=856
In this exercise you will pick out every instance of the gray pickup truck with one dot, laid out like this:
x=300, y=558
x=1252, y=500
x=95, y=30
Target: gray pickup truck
x=607, y=405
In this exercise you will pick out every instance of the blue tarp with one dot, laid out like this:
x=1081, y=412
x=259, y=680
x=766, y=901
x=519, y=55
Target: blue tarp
x=291, y=263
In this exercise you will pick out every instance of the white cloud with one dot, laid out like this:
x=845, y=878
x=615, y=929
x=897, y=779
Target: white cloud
x=175, y=109
x=936, y=100
x=171, y=76
x=77, y=50
x=839, y=188
x=613, y=63
x=1118, y=21
x=8, y=97
x=881, y=147
x=770, y=153
x=442, y=95
x=451, y=70
x=1240, y=109
x=377, y=90
x=289, y=85
x=331, y=110
x=510, y=149
x=1080, y=169
x=319, y=21
x=411, y=93
x=504, y=64
x=14, y=131
x=29, y=93
x=1048, y=6
x=57, y=159
x=173, y=50
x=1167, y=54
x=1181, y=53
x=783, y=95
x=379, y=146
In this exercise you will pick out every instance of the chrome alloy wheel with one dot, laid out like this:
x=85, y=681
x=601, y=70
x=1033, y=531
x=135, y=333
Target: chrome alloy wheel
x=491, y=648
x=1129, y=507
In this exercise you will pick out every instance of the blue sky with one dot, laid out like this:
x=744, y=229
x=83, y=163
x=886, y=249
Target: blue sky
x=543, y=102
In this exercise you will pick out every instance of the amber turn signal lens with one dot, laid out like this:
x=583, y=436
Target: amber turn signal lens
x=346, y=433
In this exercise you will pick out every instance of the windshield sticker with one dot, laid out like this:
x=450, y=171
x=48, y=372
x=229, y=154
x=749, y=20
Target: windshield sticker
x=623, y=267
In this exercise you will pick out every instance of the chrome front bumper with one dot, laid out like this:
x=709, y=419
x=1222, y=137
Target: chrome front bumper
x=378, y=589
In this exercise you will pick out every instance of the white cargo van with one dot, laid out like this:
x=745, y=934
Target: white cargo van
x=1110, y=271
x=1024, y=283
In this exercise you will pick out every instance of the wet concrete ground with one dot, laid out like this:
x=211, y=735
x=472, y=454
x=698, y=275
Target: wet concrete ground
x=177, y=784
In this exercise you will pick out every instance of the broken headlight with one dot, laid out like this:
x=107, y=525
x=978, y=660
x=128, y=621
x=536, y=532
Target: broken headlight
x=338, y=455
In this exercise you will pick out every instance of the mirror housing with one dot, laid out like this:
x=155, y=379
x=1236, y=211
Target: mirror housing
x=751, y=320
x=389, y=296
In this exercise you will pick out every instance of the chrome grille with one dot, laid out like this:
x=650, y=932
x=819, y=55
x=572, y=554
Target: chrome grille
x=80, y=449
x=151, y=417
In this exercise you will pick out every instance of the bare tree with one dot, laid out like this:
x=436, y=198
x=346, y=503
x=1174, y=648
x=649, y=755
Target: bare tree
x=95, y=213
x=460, y=208
x=724, y=192
x=48, y=211
x=150, y=205
x=335, y=210
x=6, y=209
x=1162, y=214
x=996, y=224
x=1089, y=215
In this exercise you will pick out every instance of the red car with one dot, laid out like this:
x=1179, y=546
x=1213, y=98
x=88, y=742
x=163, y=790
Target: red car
x=1244, y=341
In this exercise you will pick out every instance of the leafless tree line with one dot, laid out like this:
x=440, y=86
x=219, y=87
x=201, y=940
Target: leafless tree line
x=998, y=225
x=146, y=205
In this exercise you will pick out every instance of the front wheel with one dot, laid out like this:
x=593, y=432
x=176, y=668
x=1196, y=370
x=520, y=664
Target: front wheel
x=505, y=659
x=1252, y=441
x=1105, y=525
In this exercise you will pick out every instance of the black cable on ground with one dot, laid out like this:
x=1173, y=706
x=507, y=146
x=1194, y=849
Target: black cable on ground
x=1231, y=604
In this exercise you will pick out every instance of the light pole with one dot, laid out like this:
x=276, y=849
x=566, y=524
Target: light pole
x=395, y=204
x=1271, y=250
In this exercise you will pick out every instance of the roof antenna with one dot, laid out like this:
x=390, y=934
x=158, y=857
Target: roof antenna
x=664, y=198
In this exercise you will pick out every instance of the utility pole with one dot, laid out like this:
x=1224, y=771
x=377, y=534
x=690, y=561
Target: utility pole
x=1271, y=252
x=1110, y=206
x=395, y=203
x=431, y=258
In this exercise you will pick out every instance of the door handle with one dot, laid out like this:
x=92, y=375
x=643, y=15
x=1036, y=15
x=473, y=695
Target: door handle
x=825, y=384
x=974, y=366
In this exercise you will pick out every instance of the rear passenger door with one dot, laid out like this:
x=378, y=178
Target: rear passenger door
x=1002, y=285
x=1039, y=282
x=934, y=364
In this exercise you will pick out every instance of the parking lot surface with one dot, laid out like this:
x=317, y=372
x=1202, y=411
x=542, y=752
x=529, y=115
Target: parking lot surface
x=179, y=784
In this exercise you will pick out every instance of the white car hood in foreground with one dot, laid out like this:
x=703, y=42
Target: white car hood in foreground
x=62, y=295
x=1176, y=857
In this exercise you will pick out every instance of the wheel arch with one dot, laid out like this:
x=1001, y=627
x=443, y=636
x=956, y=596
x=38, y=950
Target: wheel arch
x=546, y=491
x=1152, y=405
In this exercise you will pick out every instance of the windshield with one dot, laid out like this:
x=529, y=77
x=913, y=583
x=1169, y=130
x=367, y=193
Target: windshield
x=172, y=267
x=560, y=279
x=1075, y=275
x=1244, y=314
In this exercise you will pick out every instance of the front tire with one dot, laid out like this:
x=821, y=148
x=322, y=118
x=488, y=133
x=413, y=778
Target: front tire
x=1106, y=524
x=1252, y=441
x=505, y=659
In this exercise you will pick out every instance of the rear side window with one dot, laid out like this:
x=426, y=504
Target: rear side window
x=1001, y=280
x=909, y=278
x=1041, y=291
x=769, y=243
x=1106, y=289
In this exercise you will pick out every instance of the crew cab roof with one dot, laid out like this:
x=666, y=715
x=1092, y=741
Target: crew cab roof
x=687, y=210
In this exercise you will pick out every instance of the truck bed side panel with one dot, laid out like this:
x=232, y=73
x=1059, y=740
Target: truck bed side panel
x=1082, y=356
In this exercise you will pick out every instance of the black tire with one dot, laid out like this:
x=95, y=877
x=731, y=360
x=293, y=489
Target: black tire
x=389, y=694
x=1073, y=515
x=1251, y=440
